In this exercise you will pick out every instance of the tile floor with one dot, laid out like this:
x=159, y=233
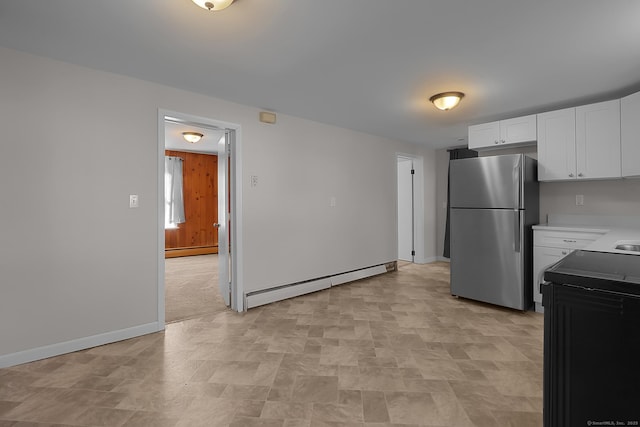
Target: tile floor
x=393, y=350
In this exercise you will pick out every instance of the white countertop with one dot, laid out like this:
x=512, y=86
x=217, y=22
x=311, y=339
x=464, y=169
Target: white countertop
x=611, y=236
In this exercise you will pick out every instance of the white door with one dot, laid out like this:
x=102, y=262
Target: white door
x=630, y=134
x=223, y=224
x=518, y=129
x=542, y=259
x=405, y=210
x=484, y=135
x=598, y=140
x=557, y=145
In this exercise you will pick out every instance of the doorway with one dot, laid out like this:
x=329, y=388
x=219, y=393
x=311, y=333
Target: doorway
x=410, y=209
x=224, y=141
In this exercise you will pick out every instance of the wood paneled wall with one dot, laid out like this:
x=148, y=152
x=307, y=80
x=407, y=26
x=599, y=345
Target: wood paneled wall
x=197, y=234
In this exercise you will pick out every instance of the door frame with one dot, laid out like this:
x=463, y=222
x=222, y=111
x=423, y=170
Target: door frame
x=418, y=206
x=235, y=197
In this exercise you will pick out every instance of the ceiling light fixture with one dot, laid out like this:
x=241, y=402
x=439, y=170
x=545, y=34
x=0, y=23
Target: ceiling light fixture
x=192, y=137
x=214, y=5
x=446, y=100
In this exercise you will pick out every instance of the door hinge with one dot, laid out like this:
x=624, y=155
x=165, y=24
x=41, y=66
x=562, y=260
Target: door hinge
x=413, y=171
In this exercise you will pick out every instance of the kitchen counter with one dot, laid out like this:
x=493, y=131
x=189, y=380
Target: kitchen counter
x=563, y=234
x=611, y=235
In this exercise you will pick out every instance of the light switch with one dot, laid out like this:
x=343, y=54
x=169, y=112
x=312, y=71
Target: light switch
x=133, y=200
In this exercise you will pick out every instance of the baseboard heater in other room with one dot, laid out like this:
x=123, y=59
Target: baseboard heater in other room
x=267, y=296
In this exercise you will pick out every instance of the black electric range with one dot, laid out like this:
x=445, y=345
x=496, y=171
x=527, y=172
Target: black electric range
x=614, y=272
x=592, y=340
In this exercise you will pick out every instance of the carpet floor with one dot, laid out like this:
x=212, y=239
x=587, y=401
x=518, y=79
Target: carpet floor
x=191, y=287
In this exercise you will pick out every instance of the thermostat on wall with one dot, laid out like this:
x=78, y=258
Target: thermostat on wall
x=267, y=117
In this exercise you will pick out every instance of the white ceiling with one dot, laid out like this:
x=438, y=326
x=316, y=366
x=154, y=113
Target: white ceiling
x=368, y=65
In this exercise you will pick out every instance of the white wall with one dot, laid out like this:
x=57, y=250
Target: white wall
x=78, y=267
x=609, y=197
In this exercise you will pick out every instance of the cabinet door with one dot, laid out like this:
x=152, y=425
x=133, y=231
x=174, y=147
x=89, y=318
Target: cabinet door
x=598, y=140
x=543, y=258
x=484, y=135
x=630, y=134
x=517, y=130
x=557, y=145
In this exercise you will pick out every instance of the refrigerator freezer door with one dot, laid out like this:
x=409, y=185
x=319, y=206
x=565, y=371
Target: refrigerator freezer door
x=487, y=259
x=487, y=182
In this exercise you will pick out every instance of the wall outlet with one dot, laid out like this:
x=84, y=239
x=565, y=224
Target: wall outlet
x=332, y=201
x=579, y=200
x=254, y=180
x=133, y=200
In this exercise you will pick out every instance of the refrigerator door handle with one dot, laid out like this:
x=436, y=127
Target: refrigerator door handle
x=517, y=183
x=516, y=231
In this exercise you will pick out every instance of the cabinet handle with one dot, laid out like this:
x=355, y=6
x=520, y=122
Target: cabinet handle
x=502, y=141
x=568, y=241
x=496, y=142
x=580, y=174
x=564, y=252
x=571, y=175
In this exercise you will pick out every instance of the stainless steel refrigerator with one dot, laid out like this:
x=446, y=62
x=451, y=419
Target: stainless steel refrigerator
x=493, y=204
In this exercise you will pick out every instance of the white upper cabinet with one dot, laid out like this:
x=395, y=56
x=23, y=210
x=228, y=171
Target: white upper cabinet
x=598, y=140
x=630, y=134
x=580, y=143
x=484, y=135
x=557, y=145
x=517, y=131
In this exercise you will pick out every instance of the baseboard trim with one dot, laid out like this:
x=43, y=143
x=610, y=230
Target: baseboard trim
x=57, y=349
x=428, y=260
x=180, y=252
x=443, y=259
x=267, y=296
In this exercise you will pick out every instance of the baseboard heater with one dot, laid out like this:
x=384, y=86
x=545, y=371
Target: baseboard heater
x=267, y=296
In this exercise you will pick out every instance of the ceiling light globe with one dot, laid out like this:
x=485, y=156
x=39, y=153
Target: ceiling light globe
x=213, y=5
x=447, y=100
x=192, y=137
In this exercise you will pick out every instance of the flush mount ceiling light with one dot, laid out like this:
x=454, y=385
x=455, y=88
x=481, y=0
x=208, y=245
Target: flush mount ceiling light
x=192, y=137
x=214, y=5
x=446, y=100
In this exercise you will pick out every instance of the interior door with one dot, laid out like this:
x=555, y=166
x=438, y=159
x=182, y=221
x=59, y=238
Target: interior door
x=223, y=224
x=405, y=210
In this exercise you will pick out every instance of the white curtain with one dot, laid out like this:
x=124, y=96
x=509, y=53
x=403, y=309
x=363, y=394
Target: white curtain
x=173, y=200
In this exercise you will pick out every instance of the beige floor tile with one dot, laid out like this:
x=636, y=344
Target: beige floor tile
x=242, y=421
x=308, y=388
x=413, y=408
x=391, y=350
x=106, y=417
x=297, y=423
x=375, y=407
x=149, y=419
x=337, y=413
x=287, y=410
